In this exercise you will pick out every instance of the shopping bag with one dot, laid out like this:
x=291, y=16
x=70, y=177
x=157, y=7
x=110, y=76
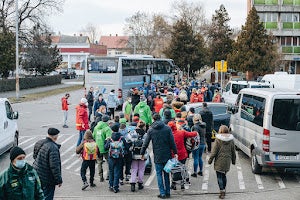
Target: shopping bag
x=170, y=164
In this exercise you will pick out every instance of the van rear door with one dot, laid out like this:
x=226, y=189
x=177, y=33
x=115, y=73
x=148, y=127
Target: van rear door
x=285, y=128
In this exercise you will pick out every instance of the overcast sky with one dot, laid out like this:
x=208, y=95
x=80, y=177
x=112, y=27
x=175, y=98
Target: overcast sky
x=109, y=15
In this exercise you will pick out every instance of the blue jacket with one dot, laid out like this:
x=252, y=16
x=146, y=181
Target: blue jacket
x=97, y=105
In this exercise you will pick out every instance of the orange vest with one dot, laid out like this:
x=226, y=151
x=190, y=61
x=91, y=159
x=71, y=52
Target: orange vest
x=89, y=150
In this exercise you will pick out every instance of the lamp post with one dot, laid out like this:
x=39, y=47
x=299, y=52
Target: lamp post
x=17, y=52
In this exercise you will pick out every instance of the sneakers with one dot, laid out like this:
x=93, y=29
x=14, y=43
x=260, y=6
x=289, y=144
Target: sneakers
x=92, y=184
x=132, y=187
x=161, y=196
x=101, y=179
x=116, y=190
x=222, y=194
x=65, y=126
x=111, y=188
x=121, y=182
x=141, y=186
x=107, y=178
x=194, y=175
x=173, y=186
x=200, y=173
x=85, y=185
x=127, y=178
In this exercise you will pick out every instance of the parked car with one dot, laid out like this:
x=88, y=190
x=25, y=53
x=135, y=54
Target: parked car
x=9, y=136
x=68, y=73
x=219, y=110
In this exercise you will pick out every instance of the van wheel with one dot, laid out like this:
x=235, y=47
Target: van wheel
x=256, y=168
x=16, y=140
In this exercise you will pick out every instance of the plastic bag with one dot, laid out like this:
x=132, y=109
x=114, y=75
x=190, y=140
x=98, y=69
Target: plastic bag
x=170, y=164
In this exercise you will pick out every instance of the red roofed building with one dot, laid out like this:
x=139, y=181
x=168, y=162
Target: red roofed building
x=116, y=45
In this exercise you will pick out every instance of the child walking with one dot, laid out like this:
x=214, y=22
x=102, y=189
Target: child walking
x=224, y=154
x=88, y=150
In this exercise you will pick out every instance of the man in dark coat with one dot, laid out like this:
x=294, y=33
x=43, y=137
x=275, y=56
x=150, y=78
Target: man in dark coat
x=90, y=99
x=207, y=117
x=163, y=145
x=47, y=163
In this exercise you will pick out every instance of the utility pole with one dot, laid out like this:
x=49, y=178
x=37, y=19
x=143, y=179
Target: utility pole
x=17, y=51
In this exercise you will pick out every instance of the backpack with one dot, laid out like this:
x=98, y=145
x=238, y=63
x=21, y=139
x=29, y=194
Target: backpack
x=182, y=95
x=116, y=148
x=192, y=143
x=137, y=145
x=89, y=151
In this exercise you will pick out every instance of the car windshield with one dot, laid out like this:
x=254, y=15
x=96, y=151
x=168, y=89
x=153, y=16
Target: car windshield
x=218, y=110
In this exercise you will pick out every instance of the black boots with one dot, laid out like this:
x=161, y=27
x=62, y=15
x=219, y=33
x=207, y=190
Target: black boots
x=141, y=186
x=132, y=187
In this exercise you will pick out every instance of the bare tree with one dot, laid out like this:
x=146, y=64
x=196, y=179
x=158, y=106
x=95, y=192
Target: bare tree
x=91, y=31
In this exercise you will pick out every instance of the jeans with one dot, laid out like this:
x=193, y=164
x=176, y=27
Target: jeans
x=49, y=192
x=197, y=156
x=88, y=164
x=127, y=163
x=65, y=117
x=114, y=172
x=137, y=169
x=222, y=180
x=80, y=138
x=163, y=179
x=100, y=162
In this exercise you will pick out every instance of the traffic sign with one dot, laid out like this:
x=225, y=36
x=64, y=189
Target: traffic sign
x=219, y=67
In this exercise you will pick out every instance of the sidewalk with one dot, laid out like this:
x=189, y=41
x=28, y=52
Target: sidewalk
x=11, y=94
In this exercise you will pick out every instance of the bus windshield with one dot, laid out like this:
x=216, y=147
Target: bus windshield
x=102, y=65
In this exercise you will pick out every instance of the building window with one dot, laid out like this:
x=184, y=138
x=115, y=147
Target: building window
x=290, y=17
x=295, y=41
x=271, y=17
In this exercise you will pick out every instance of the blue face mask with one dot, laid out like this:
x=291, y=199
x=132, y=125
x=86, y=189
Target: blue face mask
x=20, y=163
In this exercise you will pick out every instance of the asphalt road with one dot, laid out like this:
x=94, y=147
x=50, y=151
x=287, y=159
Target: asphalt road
x=37, y=116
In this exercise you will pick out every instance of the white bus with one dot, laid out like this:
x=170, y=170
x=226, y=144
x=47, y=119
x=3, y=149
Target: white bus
x=125, y=72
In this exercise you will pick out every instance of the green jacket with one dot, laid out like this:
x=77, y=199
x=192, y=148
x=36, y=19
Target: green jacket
x=101, y=132
x=21, y=184
x=127, y=108
x=144, y=111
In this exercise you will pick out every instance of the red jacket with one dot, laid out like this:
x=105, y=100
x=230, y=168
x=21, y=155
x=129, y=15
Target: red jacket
x=64, y=103
x=179, y=136
x=82, y=119
x=158, y=104
x=194, y=98
x=201, y=97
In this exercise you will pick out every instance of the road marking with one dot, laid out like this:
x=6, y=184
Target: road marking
x=153, y=174
x=67, y=160
x=74, y=163
x=25, y=141
x=69, y=149
x=240, y=173
x=28, y=147
x=67, y=139
x=278, y=179
x=205, y=175
x=259, y=182
x=46, y=125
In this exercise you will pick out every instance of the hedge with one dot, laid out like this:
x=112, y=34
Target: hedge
x=29, y=82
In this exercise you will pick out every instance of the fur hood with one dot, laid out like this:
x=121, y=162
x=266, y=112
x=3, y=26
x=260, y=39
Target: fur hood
x=224, y=137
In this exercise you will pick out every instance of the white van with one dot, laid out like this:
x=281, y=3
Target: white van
x=9, y=132
x=282, y=80
x=266, y=125
x=233, y=87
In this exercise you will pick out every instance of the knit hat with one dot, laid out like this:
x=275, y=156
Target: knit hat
x=53, y=131
x=115, y=127
x=83, y=100
x=167, y=114
x=15, y=152
x=122, y=121
x=105, y=118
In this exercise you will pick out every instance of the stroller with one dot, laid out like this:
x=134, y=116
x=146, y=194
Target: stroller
x=180, y=174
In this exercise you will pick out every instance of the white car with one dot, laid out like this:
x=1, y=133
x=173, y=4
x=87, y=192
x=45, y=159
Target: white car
x=9, y=132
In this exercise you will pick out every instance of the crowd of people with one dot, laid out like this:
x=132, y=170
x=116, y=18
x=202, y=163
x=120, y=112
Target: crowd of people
x=152, y=113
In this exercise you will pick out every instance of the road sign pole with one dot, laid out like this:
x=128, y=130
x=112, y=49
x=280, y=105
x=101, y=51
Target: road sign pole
x=222, y=65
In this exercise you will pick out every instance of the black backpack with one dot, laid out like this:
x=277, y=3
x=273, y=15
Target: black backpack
x=137, y=145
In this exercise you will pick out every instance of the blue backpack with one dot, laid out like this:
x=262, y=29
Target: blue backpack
x=116, y=148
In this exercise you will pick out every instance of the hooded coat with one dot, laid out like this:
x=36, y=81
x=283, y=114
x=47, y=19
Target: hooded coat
x=82, y=117
x=163, y=143
x=88, y=137
x=101, y=132
x=223, y=153
x=144, y=111
x=112, y=100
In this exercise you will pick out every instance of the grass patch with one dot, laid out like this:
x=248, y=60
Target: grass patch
x=39, y=95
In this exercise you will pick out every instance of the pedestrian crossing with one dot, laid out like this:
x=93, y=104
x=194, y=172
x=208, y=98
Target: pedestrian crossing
x=240, y=178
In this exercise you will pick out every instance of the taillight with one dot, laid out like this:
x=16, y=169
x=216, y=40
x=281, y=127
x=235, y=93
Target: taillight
x=266, y=140
x=119, y=93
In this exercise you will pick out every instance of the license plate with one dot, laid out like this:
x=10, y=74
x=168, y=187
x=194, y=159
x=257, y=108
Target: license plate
x=283, y=157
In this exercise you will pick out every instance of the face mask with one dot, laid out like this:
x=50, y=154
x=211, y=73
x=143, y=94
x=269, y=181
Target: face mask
x=129, y=100
x=20, y=163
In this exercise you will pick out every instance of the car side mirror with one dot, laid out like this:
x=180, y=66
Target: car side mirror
x=15, y=115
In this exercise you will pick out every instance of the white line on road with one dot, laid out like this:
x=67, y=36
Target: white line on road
x=153, y=174
x=32, y=138
x=278, y=179
x=28, y=147
x=69, y=149
x=205, y=175
x=240, y=173
x=74, y=163
x=67, y=160
x=259, y=182
x=67, y=139
x=46, y=125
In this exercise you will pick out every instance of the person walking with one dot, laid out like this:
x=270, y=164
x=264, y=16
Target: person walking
x=20, y=181
x=138, y=165
x=163, y=145
x=101, y=132
x=158, y=103
x=127, y=109
x=207, y=117
x=223, y=155
x=144, y=111
x=115, y=146
x=47, y=163
x=90, y=100
x=198, y=126
x=65, y=108
x=82, y=121
x=89, y=151
x=112, y=102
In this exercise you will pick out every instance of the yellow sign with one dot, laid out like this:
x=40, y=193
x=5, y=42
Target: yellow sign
x=218, y=66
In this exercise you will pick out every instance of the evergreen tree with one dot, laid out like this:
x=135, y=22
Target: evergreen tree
x=219, y=34
x=254, y=49
x=40, y=55
x=7, y=53
x=186, y=47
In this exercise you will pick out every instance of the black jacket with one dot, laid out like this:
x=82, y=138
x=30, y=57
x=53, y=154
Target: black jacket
x=115, y=136
x=207, y=117
x=47, y=162
x=162, y=142
x=200, y=128
x=90, y=98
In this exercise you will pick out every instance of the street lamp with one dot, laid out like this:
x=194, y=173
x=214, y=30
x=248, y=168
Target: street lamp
x=17, y=52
